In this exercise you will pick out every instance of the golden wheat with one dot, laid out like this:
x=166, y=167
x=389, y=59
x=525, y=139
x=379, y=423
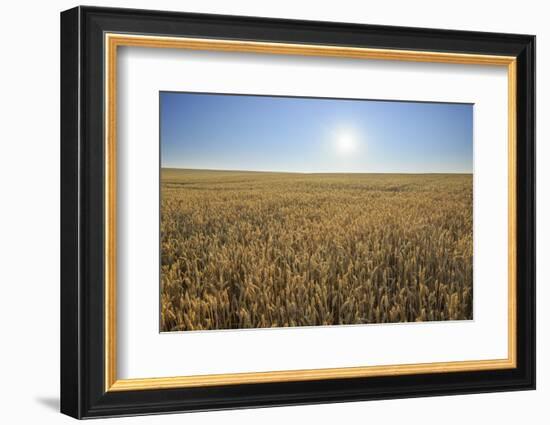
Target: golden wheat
x=253, y=250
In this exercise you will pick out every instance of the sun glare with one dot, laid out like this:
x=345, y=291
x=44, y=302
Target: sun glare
x=346, y=143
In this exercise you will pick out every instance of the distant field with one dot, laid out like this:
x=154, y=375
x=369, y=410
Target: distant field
x=254, y=250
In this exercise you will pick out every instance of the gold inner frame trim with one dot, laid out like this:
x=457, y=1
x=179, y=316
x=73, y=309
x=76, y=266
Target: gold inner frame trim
x=113, y=41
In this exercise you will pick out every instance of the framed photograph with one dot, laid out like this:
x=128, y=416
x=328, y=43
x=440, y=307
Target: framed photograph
x=260, y=212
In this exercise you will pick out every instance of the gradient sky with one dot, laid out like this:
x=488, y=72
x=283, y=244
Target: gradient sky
x=265, y=133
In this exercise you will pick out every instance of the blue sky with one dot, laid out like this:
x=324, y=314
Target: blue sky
x=266, y=133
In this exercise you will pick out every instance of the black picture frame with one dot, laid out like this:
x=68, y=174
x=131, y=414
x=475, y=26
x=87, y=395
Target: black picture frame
x=83, y=392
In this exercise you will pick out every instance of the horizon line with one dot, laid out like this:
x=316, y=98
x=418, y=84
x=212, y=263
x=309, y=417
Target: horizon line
x=315, y=172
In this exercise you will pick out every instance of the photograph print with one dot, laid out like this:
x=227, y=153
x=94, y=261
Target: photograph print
x=280, y=211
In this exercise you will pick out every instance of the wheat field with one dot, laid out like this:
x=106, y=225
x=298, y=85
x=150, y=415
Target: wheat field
x=256, y=250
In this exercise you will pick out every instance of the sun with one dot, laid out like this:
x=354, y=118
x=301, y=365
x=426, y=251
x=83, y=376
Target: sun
x=346, y=143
